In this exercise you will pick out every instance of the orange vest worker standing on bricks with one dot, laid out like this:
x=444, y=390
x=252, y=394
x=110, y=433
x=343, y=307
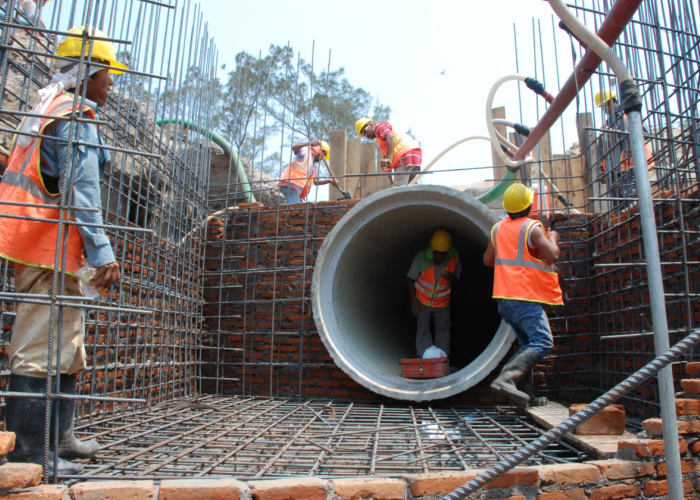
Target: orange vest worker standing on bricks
x=37, y=170
x=524, y=278
x=401, y=153
x=430, y=284
x=302, y=173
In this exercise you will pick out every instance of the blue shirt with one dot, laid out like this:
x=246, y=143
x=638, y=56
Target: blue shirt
x=89, y=169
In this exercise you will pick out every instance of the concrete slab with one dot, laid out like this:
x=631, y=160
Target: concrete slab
x=598, y=447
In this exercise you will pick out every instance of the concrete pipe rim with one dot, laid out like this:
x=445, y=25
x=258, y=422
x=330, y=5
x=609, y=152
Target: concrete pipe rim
x=327, y=325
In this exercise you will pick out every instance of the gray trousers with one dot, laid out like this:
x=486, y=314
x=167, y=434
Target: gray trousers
x=424, y=338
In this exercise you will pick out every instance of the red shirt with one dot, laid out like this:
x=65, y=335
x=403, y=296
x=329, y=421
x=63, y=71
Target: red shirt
x=382, y=129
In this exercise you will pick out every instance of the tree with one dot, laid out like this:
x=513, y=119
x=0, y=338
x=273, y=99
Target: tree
x=274, y=101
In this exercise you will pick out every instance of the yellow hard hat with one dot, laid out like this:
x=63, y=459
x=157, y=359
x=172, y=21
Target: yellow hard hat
x=326, y=150
x=362, y=123
x=102, y=49
x=517, y=198
x=441, y=241
x=603, y=96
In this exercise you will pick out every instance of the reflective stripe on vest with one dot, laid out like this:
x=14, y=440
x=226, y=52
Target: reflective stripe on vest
x=403, y=143
x=433, y=294
x=521, y=276
x=24, y=238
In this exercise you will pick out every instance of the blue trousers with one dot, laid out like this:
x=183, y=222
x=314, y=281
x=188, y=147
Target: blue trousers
x=529, y=322
x=291, y=194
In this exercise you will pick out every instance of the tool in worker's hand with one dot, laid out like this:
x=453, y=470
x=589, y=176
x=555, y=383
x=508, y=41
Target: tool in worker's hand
x=346, y=194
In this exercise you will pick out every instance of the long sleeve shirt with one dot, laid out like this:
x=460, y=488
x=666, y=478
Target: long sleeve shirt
x=89, y=169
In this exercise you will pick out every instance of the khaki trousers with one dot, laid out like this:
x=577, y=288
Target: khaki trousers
x=30, y=333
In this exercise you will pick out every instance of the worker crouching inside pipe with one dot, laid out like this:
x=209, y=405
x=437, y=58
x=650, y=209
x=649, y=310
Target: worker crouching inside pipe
x=363, y=311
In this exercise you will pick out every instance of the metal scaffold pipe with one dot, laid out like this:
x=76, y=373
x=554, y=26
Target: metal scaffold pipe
x=361, y=304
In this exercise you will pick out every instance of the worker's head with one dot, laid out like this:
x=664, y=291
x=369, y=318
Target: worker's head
x=365, y=128
x=326, y=149
x=517, y=200
x=440, y=243
x=320, y=149
x=607, y=99
x=98, y=83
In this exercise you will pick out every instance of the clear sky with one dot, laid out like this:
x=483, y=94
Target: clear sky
x=398, y=50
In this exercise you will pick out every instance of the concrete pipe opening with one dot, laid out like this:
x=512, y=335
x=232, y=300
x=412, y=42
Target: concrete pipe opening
x=360, y=299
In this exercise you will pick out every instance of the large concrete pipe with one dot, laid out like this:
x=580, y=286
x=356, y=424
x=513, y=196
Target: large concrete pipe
x=360, y=299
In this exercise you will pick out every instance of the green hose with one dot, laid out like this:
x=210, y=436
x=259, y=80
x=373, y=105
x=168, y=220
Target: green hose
x=223, y=144
x=500, y=188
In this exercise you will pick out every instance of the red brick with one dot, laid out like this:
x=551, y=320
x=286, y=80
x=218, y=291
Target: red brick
x=686, y=467
x=446, y=482
x=16, y=475
x=691, y=385
x=692, y=368
x=377, y=489
x=577, y=494
x=290, y=489
x=660, y=488
x=623, y=469
x=564, y=474
x=43, y=492
x=113, y=490
x=203, y=489
x=7, y=442
x=617, y=491
x=609, y=421
x=688, y=406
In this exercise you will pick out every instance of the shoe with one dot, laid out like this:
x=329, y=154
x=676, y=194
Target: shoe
x=525, y=385
x=68, y=445
x=26, y=417
x=513, y=372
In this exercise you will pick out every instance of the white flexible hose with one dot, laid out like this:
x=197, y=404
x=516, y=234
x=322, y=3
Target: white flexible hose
x=444, y=152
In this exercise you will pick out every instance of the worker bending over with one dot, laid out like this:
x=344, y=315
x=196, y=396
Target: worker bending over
x=36, y=171
x=429, y=284
x=302, y=173
x=523, y=256
x=400, y=152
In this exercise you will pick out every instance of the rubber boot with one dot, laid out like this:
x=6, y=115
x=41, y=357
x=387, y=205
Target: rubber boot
x=513, y=372
x=26, y=418
x=68, y=445
x=525, y=385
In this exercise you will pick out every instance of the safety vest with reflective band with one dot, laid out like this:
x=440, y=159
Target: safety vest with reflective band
x=403, y=143
x=33, y=242
x=520, y=275
x=296, y=173
x=429, y=291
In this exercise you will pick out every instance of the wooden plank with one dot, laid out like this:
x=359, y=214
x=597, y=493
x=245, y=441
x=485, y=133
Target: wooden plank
x=559, y=178
x=368, y=185
x=338, y=142
x=599, y=447
x=382, y=180
x=545, y=146
x=575, y=169
x=353, y=165
x=587, y=141
x=499, y=169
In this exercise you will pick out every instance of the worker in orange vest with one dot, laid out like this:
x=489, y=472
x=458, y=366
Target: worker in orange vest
x=302, y=173
x=400, y=152
x=430, y=280
x=36, y=179
x=523, y=255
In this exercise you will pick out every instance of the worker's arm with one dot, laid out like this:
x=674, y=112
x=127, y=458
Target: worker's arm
x=321, y=182
x=300, y=145
x=546, y=243
x=490, y=255
x=86, y=193
x=389, y=138
x=415, y=305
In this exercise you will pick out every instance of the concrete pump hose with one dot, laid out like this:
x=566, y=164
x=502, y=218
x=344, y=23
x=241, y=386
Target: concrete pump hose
x=555, y=434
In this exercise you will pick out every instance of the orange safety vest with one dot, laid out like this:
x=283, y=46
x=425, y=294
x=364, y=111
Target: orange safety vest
x=520, y=275
x=403, y=143
x=429, y=291
x=300, y=174
x=29, y=241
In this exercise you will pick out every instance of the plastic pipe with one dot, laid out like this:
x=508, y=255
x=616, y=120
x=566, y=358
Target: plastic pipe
x=360, y=299
x=223, y=144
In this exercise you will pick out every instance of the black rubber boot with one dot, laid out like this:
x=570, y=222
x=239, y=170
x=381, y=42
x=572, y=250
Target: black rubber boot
x=68, y=445
x=513, y=372
x=26, y=418
x=525, y=385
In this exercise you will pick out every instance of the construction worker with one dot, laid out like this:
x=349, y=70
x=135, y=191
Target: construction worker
x=613, y=150
x=297, y=179
x=523, y=255
x=429, y=285
x=400, y=152
x=38, y=167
